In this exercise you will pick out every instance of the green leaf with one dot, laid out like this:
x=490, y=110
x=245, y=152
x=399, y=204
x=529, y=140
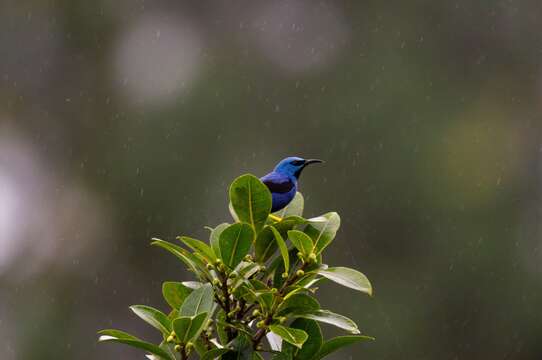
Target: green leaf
x=295, y=337
x=175, y=293
x=244, y=271
x=311, y=346
x=199, y=301
x=331, y=318
x=283, y=249
x=201, y=247
x=192, y=284
x=127, y=339
x=339, y=342
x=119, y=334
x=265, y=245
x=347, y=277
x=235, y=243
x=298, y=303
x=263, y=297
x=322, y=230
x=294, y=208
x=200, y=346
x=257, y=356
x=301, y=241
x=214, y=354
x=242, y=349
x=194, y=264
x=215, y=238
x=251, y=200
x=232, y=213
x=164, y=346
x=188, y=328
x=154, y=317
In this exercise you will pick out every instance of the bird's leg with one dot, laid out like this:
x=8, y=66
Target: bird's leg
x=275, y=218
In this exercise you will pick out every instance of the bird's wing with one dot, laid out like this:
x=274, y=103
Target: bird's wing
x=278, y=183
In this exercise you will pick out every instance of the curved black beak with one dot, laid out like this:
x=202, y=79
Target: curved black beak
x=313, y=161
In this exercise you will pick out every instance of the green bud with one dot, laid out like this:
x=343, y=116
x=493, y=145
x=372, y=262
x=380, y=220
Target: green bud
x=248, y=258
x=216, y=282
x=210, y=267
x=300, y=255
x=312, y=257
x=178, y=348
x=260, y=324
x=282, y=319
x=170, y=339
x=218, y=262
x=300, y=272
x=233, y=275
x=274, y=290
x=263, y=268
x=284, y=275
x=189, y=346
x=256, y=313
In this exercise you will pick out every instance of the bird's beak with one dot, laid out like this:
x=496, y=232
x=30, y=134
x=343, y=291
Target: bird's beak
x=313, y=161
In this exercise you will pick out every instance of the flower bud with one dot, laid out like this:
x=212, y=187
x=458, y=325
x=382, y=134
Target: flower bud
x=274, y=290
x=300, y=255
x=300, y=272
x=216, y=282
x=312, y=257
x=170, y=339
x=233, y=275
x=284, y=275
x=256, y=313
x=178, y=348
x=260, y=324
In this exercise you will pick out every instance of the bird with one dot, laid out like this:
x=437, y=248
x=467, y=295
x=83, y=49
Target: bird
x=282, y=182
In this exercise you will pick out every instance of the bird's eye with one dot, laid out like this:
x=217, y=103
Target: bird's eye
x=297, y=162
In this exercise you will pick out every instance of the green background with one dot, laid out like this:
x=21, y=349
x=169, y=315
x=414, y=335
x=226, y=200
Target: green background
x=124, y=120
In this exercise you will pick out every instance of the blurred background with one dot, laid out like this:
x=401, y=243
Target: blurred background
x=122, y=120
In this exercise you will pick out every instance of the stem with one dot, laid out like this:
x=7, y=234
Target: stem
x=184, y=356
x=261, y=332
x=227, y=306
x=258, y=337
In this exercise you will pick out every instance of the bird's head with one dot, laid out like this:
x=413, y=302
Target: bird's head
x=292, y=166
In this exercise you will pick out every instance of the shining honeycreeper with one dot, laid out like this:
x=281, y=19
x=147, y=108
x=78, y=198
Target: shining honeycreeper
x=282, y=181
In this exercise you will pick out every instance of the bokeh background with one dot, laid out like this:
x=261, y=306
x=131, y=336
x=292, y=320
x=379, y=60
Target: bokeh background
x=122, y=120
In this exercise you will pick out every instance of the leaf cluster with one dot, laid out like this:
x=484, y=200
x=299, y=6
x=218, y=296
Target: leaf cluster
x=256, y=279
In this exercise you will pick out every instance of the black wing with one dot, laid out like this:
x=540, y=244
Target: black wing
x=278, y=183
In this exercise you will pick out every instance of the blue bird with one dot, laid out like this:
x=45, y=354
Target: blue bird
x=282, y=181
